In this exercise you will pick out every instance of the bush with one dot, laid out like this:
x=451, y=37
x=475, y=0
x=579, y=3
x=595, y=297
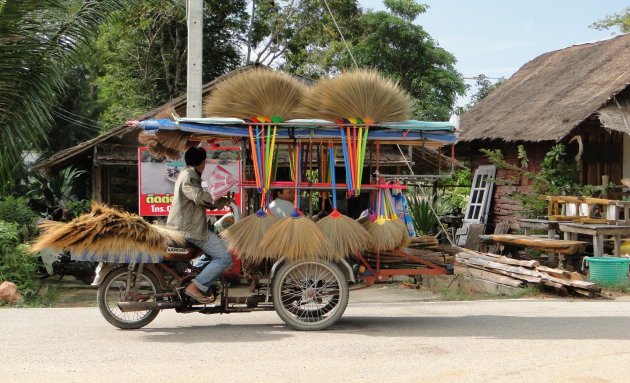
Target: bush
x=17, y=265
x=16, y=210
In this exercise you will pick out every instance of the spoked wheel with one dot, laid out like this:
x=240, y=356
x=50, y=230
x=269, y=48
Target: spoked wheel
x=310, y=295
x=113, y=289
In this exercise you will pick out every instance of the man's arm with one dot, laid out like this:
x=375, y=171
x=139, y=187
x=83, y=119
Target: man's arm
x=192, y=190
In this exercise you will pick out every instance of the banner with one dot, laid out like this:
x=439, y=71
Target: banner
x=156, y=178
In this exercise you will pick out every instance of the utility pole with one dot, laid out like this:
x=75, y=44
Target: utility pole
x=194, y=81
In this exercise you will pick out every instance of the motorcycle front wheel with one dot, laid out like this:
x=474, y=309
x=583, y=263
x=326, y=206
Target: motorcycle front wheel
x=113, y=289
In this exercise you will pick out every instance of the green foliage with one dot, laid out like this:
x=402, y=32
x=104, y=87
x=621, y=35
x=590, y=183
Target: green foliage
x=143, y=53
x=423, y=212
x=79, y=207
x=483, y=87
x=16, y=210
x=619, y=20
x=453, y=192
x=55, y=191
x=393, y=44
x=38, y=39
x=557, y=176
x=17, y=265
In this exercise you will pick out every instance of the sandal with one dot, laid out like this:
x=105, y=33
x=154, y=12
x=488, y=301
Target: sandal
x=201, y=298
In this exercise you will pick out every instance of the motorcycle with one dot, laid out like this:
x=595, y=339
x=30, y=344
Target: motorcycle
x=307, y=295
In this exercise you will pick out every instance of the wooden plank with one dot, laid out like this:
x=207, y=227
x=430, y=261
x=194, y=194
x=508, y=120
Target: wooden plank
x=510, y=261
x=558, y=273
x=489, y=276
x=526, y=278
x=471, y=259
x=590, y=286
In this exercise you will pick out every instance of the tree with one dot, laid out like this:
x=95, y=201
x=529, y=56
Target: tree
x=619, y=20
x=391, y=43
x=300, y=36
x=483, y=87
x=143, y=53
x=38, y=38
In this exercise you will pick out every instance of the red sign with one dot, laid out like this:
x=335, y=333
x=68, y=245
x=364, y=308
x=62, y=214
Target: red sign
x=156, y=178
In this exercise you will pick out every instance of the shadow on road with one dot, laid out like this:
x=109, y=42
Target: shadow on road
x=487, y=326
x=222, y=333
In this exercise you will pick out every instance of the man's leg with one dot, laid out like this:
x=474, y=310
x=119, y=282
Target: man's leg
x=215, y=257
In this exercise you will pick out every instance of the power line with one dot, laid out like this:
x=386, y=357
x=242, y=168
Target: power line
x=341, y=34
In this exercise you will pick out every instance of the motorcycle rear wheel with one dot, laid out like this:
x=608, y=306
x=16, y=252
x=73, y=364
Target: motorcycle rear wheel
x=310, y=296
x=113, y=290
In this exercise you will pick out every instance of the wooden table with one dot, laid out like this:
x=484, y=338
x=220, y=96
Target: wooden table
x=551, y=246
x=571, y=230
x=527, y=224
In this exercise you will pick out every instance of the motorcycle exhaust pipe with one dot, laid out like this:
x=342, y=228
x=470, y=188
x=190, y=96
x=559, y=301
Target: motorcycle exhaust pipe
x=144, y=306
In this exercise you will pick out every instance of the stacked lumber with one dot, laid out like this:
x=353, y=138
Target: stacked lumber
x=520, y=273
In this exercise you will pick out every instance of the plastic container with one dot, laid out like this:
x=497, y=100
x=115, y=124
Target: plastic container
x=608, y=270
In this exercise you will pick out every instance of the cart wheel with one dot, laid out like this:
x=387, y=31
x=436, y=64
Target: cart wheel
x=113, y=290
x=310, y=295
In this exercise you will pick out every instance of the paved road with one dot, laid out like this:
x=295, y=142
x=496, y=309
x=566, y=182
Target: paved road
x=384, y=335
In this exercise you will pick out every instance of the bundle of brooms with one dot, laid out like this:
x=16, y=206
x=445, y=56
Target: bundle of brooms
x=105, y=234
x=258, y=95
x=296, y=237
x=366, y=96
x=346, y=235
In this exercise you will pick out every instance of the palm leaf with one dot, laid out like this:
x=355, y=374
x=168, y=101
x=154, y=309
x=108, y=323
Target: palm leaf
x=37, y=39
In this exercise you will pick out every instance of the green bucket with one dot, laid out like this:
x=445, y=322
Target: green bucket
x=608, y=270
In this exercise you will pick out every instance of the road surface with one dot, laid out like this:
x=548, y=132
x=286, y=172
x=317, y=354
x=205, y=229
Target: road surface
x=383, y=336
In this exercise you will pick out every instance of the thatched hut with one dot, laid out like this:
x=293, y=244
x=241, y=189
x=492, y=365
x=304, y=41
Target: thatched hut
x=582, y=90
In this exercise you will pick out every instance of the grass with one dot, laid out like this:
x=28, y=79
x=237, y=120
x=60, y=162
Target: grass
x=462, y=294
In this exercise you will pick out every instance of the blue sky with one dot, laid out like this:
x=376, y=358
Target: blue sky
x=496, y=37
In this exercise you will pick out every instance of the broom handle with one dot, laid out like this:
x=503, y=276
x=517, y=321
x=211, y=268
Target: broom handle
x=362, y=159
x=331, y=155
x=298, y=168
x=254, y=155
x=258, y=153
x=344, y=145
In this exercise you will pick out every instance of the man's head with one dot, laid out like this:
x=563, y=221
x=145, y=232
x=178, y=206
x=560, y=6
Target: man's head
x=286, y=194
x=195, y=156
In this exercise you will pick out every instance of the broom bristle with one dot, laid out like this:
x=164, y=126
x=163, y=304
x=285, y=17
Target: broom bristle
x=386, y=234
x=245, y=236
x=168, y=112
x=106, y=231
x=363, y=94
x=297, y=239
x=406, y=240
x=156, y=149
x=345, y=235
x=257, y=92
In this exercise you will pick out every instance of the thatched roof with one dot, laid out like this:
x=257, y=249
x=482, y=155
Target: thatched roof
x=68, y=156
x=552, y=94
x=616, y=116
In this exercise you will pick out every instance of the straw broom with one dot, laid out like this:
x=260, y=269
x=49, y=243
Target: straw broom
x=105, y=233
x=296, y=237
x=346, y=235
x=361, y=95
x=260, y=95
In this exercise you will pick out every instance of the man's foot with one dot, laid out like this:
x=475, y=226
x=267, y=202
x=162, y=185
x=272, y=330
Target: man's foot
x=194, y=292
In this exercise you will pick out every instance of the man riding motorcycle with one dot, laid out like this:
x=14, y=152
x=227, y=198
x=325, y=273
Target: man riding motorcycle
x=188, y=216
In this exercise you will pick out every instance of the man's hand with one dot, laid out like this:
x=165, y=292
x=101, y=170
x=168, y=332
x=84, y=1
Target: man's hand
x=221, y=202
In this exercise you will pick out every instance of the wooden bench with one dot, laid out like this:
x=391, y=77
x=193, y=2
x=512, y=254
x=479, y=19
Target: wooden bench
x=555, y=246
